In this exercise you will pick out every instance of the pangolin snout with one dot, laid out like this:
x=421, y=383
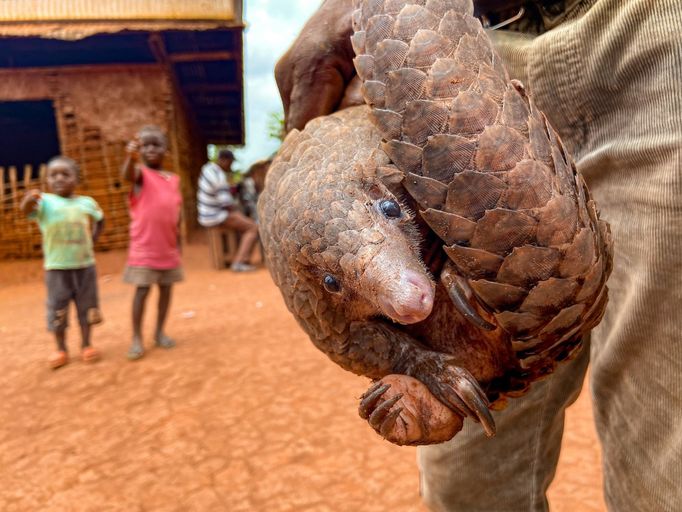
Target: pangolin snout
x=409, y=299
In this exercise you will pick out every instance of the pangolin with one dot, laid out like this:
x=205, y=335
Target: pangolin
x=439, y=240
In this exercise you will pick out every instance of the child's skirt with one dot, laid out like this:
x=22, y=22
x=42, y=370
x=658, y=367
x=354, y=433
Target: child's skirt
x=145, y=276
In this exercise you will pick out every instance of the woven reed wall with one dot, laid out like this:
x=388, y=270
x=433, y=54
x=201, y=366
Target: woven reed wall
x=97, y=112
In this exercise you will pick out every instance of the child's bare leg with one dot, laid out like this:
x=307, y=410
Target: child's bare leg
x=136, y=348
x=89, y=353
x=60, y=337
x=85, y=335
x=58, y=311
x=59, y=358
x=164, y=304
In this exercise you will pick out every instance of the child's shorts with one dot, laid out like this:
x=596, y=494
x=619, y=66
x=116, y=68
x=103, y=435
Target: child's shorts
x=63, y=286
x=145, y=276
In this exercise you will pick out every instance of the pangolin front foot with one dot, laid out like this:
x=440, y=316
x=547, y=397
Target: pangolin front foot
x=455, y=387
x=403, y=411
x=460, y=390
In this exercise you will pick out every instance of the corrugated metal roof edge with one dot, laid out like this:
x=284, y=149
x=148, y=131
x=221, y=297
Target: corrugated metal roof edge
x=73, y=31
x=85, y=10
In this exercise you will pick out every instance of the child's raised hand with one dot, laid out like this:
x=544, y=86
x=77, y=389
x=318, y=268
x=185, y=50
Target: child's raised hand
x=30, y=200
x=129, y=171
x=33, y=193
x=133, y=148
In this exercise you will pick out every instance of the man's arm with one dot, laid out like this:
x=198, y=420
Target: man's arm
x=316, y=75
x=223, y=193
x=312, y=75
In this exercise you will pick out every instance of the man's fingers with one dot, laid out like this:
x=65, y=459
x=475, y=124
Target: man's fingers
x=317, y=95
x=353, y=94
x=284, y=79
x=312, y=75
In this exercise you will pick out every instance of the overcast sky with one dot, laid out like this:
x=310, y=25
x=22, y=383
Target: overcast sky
x=271, y=27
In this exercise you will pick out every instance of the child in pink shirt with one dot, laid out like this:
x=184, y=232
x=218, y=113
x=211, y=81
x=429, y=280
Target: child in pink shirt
x=154, y=251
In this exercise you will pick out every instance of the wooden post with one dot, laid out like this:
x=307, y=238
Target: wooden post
x=43, y=177
x=28, y=176
x=2, y=190
x=13, y=186
x=109, y=168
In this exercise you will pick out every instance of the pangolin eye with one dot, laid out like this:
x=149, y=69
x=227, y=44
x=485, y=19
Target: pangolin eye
x=390, y=208
x=331, y=284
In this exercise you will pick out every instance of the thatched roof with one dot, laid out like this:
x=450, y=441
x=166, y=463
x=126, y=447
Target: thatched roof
x=77, y=19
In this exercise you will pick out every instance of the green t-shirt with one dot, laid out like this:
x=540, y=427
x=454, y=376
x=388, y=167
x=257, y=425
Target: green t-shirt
x=65, y=225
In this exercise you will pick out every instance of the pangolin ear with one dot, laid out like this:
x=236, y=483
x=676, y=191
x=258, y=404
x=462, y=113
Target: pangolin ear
x=383, y=177
x=387, y=178
x=369, y=168
x=391, y=177
x=367, y=172
x=378, y=189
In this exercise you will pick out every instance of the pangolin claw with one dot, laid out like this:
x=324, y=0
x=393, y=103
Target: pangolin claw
x=389, y=422
x=459, y=405
x=458, y=388
x=375, y=385
x=377, y=417
x=462, y=302
x=475, y=398
x=370, y=398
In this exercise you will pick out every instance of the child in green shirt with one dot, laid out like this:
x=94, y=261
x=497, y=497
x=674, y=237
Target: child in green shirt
x=64, y=220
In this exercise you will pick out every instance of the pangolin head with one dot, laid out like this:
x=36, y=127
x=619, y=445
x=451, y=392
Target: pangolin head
x=336, y=234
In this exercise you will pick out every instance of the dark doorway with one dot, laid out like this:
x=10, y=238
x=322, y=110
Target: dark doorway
x=29, y=132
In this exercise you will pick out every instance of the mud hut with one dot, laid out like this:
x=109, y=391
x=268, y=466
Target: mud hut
x=79, y=77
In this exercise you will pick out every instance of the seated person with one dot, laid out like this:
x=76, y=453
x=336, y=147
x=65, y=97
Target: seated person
x=217, y=207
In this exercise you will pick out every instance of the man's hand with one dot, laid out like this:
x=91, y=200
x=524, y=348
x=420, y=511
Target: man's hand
x=316, y=75
x=30, y=200
x=313, y=74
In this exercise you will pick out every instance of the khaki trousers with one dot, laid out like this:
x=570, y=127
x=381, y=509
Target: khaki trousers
x=609, y=78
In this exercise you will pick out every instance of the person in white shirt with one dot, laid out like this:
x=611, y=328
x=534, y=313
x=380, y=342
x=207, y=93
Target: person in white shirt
x=216, y=206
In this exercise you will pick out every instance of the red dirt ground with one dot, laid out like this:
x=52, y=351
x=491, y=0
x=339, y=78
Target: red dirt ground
x=244, y=415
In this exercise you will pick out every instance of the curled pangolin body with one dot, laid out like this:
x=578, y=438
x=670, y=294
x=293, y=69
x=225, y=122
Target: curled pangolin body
x=490, y=175
x=503, y=223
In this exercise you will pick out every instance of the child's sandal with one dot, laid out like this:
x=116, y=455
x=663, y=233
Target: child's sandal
x=90, y=355
x=58, y=359
x=135, y=353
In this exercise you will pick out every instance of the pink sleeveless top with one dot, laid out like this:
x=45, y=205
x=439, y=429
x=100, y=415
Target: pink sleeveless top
x=154, y=216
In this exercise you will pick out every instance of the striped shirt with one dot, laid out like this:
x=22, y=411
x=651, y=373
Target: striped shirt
x=213, y=195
